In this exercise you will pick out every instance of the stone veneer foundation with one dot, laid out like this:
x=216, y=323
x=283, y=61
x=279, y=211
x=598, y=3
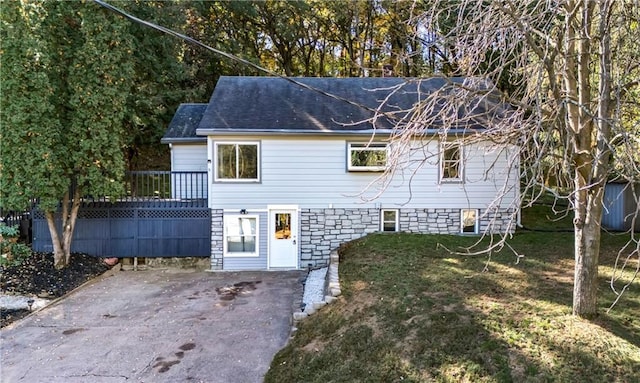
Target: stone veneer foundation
x=323, y=230
x=217, y=238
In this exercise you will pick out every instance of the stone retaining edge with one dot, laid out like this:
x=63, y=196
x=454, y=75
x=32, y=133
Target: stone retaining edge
x=331, y=290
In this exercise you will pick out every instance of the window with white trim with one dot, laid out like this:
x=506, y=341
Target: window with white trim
x=367, y=157
x=450, y=162
x=241, y=235
x=469, y=221
x=389, y=220
x=237, y=161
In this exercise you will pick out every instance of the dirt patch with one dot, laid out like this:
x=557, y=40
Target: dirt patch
x=374, y=324
x=516, y=366
x=361, y=302
x=314, y=346
x=359, y=285
x=452, y=307
x=415, y=319
x=356, y=310
x=435, y=294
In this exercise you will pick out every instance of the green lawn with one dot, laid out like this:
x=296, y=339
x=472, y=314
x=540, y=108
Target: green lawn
x=413, y=312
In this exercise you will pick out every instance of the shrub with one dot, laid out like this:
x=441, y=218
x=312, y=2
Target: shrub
x=13, y=253
x=8, y=231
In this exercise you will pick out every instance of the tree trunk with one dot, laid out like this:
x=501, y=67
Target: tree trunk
x=587, y=253
x=62, y=245
x=591, y=173
x=58, y=252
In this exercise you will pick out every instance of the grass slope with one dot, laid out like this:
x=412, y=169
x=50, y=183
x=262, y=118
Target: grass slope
x=413, y=312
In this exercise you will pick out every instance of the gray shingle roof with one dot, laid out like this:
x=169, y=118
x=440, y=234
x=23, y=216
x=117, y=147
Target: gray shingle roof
x=182, y=127
x=273, y=104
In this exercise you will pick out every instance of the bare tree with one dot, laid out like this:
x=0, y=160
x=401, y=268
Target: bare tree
x=569, y=72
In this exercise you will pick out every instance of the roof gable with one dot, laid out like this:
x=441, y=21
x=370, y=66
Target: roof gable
x=184, y=123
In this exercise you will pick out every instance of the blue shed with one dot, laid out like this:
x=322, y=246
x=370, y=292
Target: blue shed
x=621, y=204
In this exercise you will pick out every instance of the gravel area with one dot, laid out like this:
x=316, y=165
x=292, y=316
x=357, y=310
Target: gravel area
x=22, y=302
x=314, y=286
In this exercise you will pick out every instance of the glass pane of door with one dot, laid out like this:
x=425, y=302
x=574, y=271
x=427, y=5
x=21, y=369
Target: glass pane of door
x=283, y=226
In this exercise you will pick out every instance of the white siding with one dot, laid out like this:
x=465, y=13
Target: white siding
x=189, y=157
x=312, y=173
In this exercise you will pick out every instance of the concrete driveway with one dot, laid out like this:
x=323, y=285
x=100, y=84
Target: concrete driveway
x=156, y=326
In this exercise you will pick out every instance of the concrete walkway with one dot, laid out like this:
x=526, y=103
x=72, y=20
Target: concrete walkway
x=156, y=326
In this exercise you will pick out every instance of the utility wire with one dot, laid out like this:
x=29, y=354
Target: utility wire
x=235, y=58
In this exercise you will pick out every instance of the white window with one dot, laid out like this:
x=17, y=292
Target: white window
x=237, y=161
x=241, y=236
x=469, y=221
x=450, y=162
x=367, y=157
x=389, y=220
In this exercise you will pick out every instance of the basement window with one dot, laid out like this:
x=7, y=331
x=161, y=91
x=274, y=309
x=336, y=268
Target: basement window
x=240, y=236
x=469, y=221
x=389, y=220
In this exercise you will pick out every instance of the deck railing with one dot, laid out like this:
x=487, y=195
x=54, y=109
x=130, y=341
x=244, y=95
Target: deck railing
x=166, y=185
x=12, y=217
x=160, y=187
x=147, y=188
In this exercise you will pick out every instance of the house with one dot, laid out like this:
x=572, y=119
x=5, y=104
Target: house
x=297, y=168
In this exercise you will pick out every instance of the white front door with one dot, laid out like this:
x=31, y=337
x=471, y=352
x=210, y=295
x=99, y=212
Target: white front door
x=283, y=238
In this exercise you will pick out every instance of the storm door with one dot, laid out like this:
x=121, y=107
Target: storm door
x=283, y=238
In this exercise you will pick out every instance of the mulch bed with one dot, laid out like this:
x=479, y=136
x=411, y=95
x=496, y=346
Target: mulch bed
x=37, y=276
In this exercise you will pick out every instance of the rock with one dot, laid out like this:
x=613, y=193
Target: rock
x=319, y=305
x=110, y=261
x=297, y=316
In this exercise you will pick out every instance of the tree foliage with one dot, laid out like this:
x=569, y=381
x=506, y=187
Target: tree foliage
x=161, y=76
x=83, y=92
x=311, y=38
x=66, y=78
